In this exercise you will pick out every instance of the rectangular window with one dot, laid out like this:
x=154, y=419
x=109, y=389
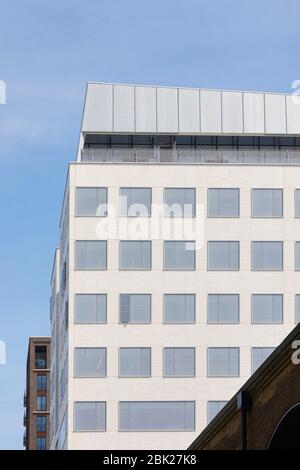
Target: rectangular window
x=223, y=362
x=297, y=202
x=90, y=362
x=267, y=203
x=89, y=416
x=297, y=256
x=223, y=256
x=91, y=254
x=267, y=308
x=179, y=255
x=297, y=308
x=179, y=202
x=223, y=308
x=41, y=423
x=40, y=443
x=135, y=308
x=259, y=355
x=179, y=362
x=223, y=202
x=134, y=362
x=135, y=255
x=41, y=382
x=135, y=202
x=41, y=403
x=90, y=308
x=179, y=308
x=213, y=408
x=40, y=357
x=157, y=416
x=267, y=256
x=91, y=202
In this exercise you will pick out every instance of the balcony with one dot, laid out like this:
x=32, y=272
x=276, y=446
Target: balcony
x=25, y=399
x=201, y=156
x=24, y=439
x=25, y=419
x=40, y=363
x=40, y=360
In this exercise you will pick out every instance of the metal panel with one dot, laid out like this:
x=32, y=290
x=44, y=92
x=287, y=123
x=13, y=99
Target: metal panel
x=293, y=114
x=275, y=114
x=145, y=109
x=167, y=110
x=232, y=112
x=97, y=115
x=123, y=108
x=210, y=111
x=189, y=119
x=254, y=118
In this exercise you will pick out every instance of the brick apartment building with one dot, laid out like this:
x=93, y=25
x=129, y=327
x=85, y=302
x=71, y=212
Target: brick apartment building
x=36, y=397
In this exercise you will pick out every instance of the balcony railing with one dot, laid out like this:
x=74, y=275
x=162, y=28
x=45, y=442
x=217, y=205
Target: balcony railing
x=192, y=156
x=25, y=420
x=24, y=439
x=40, y=363
x=25, y=399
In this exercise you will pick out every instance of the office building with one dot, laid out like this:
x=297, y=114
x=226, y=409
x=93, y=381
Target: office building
x=177, y=272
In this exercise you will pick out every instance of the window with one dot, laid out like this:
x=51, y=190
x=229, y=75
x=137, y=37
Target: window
x=179, y=362
x=64, y=276
x=179, y=255
x=179, y=202
x=223, y=308
x=66, y=315
x=267, y=256
x=62, y=432
x=267, y=308
x=40, y=357
x=40, y=443
x=297, y=202
x=267, y=203
x=135, y=362
x=135, y=308
x=179, y=308
x=297, y=256
x=91, y=202
x=90, y=254
x=223, y=202
x=297, y=308
x=223, y=362
x=41, y=423
x=90, y=416
x=223, y=256
x=41, y=403
x=157, y=416
x=90, y=308
x=41, y=382
x=135, y=202
x=135, y=254
x=213, y=408
x=259, y=355
x=90, y=362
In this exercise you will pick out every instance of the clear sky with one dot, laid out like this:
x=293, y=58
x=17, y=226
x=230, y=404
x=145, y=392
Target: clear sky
x=48, y=51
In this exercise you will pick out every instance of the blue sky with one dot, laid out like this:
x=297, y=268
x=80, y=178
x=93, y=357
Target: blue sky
x=48, y=51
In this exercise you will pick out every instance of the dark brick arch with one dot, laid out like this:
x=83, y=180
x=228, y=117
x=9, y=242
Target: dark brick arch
x=286, y=433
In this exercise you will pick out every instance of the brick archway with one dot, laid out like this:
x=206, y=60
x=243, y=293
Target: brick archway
x=286, y=433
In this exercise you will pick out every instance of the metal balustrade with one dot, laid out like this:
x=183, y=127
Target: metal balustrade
x=192, y=156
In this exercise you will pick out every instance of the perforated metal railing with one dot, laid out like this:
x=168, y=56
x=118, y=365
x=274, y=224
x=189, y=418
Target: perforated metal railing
x=192, y=156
